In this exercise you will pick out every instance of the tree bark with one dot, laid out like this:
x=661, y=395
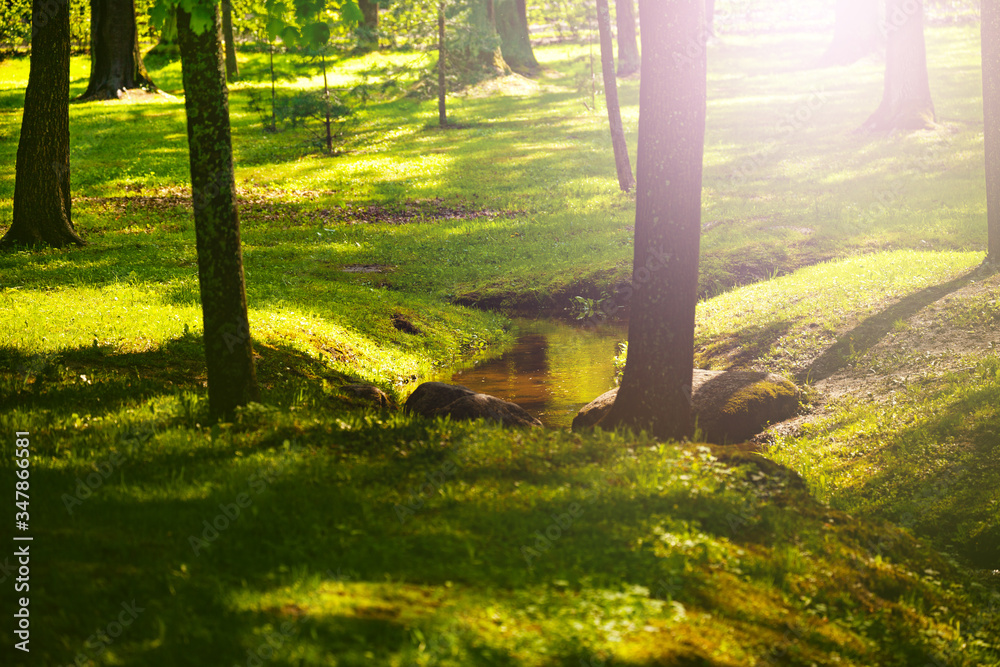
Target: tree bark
x=855, y=33
x=710, y=17
x=486, y=57
x=41, y=178
x=990, y=14
x=622, y=164
x=442, y=60
x=628, y=46
x=232, y=378
x=232, y=67
x=515, y=40
x=368, y=30
x=906, y=98
x=655, y=394
x=115, y=57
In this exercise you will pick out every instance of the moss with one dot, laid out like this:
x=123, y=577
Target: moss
x=751, y=397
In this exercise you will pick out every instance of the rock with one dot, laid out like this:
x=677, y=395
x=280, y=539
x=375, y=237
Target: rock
x=437, y=399
x=368, y=394
x=730, y=406
x=592, y=413
x=430, y=396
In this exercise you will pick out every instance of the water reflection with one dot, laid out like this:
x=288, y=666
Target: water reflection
x=553, y=369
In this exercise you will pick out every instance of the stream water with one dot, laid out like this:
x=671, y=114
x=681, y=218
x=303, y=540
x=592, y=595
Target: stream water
x=553, y=369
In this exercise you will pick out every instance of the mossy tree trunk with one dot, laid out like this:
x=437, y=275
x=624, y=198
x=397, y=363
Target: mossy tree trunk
x=855, y=32
x=232, y=67
x=991, y=124
x=622, y=164
x=228, y=349
x=115, y=56
x=628, y=45
x=906, y=98
x=515, y=40
x=655, y=393
x=41, y=177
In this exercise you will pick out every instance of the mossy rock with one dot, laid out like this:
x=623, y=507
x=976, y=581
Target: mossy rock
x=730, y=406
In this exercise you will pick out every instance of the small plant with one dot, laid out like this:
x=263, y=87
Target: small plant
x=585, y=308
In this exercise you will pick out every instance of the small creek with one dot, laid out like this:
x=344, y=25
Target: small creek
x=552, y=370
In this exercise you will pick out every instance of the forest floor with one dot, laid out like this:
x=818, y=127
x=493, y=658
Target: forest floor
x=316, y=531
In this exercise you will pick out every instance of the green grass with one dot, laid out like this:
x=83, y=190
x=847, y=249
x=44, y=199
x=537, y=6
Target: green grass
x=378, y=538
x=779, y=193
x=806, y=324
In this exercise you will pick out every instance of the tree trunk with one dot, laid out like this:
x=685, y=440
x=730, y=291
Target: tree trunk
x=232, y=67
x=41, y=179
x=484, y=57
x=515, y=41
x=855, y=33
x=710, y=17
x=655, y=394
x=628, y=47
x=232, y=379
x=906, y=99
x=115, y=57
x=622, y=164
x=368, y=30
x=991, y=124
x=442, y=60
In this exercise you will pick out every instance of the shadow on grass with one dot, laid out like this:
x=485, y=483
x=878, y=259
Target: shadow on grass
x=943, y=476
x=98, y=381
x=867, y=334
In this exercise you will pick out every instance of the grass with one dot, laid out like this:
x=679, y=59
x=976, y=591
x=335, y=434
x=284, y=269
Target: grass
x=312, y=531
x=366, y=536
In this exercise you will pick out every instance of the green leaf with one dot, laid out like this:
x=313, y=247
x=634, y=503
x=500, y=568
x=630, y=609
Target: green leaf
x=351, y=13
x=159, y=13
x=306, y=9
x=290, y=35
x=201, y=18
x=274, y=27
x=316, y=34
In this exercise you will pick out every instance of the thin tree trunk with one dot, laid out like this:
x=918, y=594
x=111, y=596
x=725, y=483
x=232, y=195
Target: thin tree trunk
x=326, y=104
x=274, y=93
x=515, y=44
x=991, y=123
x=232, y=380
x=855, y=32
x=232, y=67
x=622, y=164
x=906, y=98
x=628, y=46
x=41, y=178
x=655, y=394
x=442, y=84
x=115, y=57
